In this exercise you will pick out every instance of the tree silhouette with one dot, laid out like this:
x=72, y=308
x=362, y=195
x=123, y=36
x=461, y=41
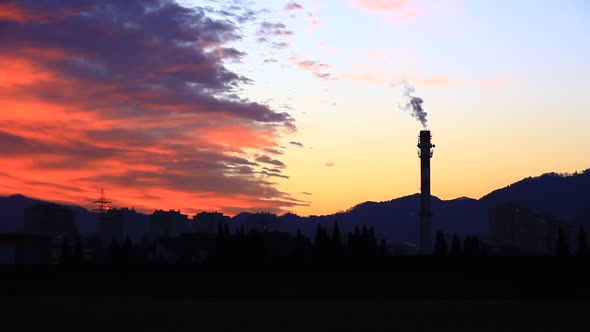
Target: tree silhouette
x=336, y=239
x=240, y=234
x=64, y=253
x=354, y=241
x=226, y=229
x=300, y=247
x=239, y=245
x=321, y=243
x=114, y=252
x=256, y=246
x=78, y=258
x=456, y=249
x=440, y=245
x=562, y=247
x=372, y=242
x=357, y=232
x=221, y=242
x=383, y=248
x=127, y=251
x=472, y=246
x=219, y=230
x=364, y=236
x=365, y=242
x=582, y=247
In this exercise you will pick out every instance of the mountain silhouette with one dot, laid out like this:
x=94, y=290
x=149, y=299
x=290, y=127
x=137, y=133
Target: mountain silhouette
x=397, y=220
x=12, y=210
x=564, y=196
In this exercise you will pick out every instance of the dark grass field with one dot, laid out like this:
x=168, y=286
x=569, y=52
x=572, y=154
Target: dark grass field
x=167, y=314
x=413, y=295
x=516, y=279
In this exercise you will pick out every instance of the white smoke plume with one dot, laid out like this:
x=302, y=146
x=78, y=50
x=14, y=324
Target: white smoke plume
x=413, y=104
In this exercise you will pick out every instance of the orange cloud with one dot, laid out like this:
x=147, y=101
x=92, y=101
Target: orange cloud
x=10, y=11
x=495, y=82
x=155, y=123
x=17, y=71
x=433, y=80
x=238, y=136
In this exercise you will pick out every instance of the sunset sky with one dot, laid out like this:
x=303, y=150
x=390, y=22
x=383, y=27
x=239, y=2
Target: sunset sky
x=286, y=106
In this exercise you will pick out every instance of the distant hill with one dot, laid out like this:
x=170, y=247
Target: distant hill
x=565, y=196
x=12, y=214
x=397, y=220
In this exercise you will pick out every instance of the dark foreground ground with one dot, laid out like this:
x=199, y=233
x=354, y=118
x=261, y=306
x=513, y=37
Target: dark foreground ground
x=413, y=293
x=167, y=314
x=409, y=278
x=397, y=294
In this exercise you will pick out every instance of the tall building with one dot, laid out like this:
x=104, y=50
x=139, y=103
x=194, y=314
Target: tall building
x=51, y=219
x=167, y=224
x=518, y=230
x=262, y=222
x=118, y=224
x=207, y=222
x=111, y=227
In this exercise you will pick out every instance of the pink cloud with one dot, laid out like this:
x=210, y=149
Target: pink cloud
x=394, y=11
x=311, y=26
x=381, y=5
x=384, y=78
x=377, y=54
x=293, y=6
x=318, y=69
x=404, y=17
x=314, y=21
x=319, y=5
x=325, y=48
x=386, y=66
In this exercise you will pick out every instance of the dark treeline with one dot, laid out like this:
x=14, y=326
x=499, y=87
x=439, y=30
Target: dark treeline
x=329, y=250
x=332, y=264
x=241, y=249
x=470, y=246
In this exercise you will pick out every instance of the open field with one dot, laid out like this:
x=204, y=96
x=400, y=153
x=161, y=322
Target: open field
x=169, y=314
x=516, y=279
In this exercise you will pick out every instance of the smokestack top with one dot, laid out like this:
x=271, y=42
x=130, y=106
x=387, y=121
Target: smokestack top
x=424, y=144
x=425, y=135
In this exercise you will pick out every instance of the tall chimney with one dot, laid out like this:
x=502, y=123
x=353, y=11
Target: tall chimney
x=425, y=153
